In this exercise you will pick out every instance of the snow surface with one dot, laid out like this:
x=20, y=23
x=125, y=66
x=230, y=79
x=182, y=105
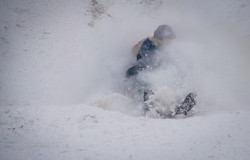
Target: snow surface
x=83, y=132
x=62, y=68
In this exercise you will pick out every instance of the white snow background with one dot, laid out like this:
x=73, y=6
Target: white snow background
x=62, y=66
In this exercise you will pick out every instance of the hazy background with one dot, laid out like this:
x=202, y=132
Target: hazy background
x=70, y=52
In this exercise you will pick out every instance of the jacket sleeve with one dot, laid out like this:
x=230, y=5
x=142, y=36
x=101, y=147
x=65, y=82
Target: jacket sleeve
x=132, y=71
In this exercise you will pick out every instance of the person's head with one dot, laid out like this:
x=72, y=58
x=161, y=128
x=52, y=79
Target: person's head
x=164, y=32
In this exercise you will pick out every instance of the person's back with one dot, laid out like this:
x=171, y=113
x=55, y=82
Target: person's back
x=163, y=34
x=145, y=58
x=146, y=50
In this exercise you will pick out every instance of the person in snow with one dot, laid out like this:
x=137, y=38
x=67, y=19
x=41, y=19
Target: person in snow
x=146, y=52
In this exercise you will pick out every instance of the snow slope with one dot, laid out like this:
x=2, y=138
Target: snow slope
x=83, y=132
x=61, y=72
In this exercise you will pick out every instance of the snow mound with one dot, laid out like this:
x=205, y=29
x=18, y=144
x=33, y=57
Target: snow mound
x=118, y=102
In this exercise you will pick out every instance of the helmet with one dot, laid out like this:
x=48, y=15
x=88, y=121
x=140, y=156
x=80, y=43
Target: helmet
x=164, y=32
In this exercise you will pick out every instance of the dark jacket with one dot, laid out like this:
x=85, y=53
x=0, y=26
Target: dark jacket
x=146, y=58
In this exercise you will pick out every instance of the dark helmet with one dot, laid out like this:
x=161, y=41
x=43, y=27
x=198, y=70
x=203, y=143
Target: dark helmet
x=164, y=32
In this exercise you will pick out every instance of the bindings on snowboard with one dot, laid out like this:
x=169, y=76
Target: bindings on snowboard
x=185, y=106
x=182, y=108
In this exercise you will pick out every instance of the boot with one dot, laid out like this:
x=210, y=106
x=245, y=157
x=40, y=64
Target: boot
x=185, y=106
x=147, y=103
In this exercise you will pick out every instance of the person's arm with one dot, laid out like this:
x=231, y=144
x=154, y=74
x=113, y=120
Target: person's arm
x=132, y=71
